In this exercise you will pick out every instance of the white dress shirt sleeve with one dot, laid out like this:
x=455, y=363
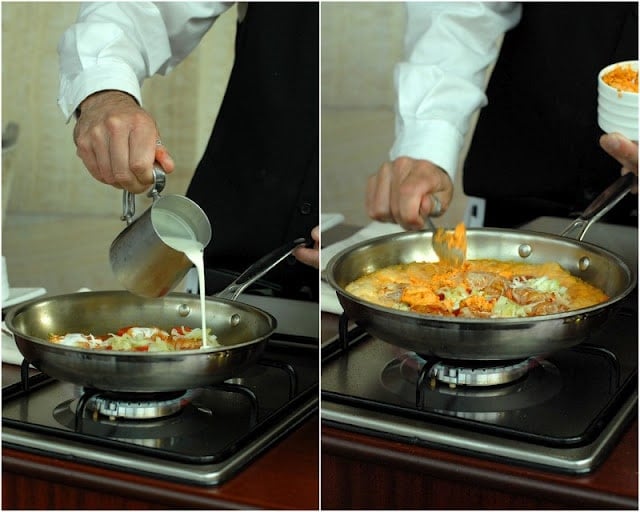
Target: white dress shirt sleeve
x=449, y=47
x=117, y=45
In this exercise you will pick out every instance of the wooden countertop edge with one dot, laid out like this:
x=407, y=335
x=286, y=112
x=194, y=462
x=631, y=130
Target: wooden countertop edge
x=36, y=466
x=460, y=467
x=240, y=492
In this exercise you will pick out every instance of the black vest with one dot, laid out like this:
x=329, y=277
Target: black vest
x=258, y=178
x=535, y=150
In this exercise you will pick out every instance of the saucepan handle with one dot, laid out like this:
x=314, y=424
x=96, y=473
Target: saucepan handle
x=601, y=205
x=258, y=269
x=129, y=199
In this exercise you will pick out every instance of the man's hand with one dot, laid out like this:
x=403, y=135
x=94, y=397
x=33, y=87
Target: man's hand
x=117, y=141
x=310, y=256
x=623, y=150
x=406, y=191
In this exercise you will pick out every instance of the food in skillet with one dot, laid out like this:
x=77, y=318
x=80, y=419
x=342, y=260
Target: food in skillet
x=477, y=288
x=138, y=339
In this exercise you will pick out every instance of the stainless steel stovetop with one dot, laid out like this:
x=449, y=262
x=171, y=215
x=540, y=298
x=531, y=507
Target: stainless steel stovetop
x=219, y=430
x=564, y=414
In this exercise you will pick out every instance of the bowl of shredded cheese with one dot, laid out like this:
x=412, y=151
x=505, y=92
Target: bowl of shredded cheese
x=618, y=99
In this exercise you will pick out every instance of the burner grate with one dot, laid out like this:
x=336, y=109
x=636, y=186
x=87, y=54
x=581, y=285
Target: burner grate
x=474, y=373
x=134, y=406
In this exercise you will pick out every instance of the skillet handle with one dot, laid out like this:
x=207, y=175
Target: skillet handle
x=602, y=204
x=258, y=269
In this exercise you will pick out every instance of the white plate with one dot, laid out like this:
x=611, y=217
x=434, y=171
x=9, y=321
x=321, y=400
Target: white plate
x=10, y=352
x=329, y=220
x=18, y=295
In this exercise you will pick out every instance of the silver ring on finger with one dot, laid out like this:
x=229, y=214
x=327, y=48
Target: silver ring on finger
x=436, y=207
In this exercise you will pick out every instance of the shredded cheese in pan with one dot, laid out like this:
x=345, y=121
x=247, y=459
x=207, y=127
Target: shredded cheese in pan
x=138, y=339
x=477, y=289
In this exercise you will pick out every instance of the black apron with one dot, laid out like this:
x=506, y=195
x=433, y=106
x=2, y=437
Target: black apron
x=258, y=178
x=535, y=150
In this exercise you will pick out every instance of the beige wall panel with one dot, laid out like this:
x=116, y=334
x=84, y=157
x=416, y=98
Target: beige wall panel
x=44, y=156
x=354, y=144
x=61, y=254
x=360, y=44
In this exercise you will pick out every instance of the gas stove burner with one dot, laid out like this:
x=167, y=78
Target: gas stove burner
x=136, y=406
x=408, y=377
x=477, y=373
x=163, y=432
x=464, y=373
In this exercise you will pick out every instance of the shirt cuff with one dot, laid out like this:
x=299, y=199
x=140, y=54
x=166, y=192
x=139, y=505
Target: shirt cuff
x=115, y=76
x=434, y=140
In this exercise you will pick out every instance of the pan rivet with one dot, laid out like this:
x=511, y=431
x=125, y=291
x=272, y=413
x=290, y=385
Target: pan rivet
x=234, y=320
x=183, y=310
x=584, y=263
x=524, y=250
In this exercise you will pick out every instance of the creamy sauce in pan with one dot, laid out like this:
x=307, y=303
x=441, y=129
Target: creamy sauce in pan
x=478, y=289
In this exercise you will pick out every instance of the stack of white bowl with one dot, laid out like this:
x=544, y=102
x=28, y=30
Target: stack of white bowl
x=618, y=109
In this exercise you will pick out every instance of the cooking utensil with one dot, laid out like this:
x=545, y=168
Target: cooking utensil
x=487, y=339
x=447, y=245
x=447, y=252
x=141, y=259
x=242, y=331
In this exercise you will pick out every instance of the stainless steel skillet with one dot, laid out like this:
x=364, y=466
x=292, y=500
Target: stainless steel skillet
x=242, y=330
x=489, y=339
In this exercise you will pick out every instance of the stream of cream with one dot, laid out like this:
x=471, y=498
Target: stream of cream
x=179, y=236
